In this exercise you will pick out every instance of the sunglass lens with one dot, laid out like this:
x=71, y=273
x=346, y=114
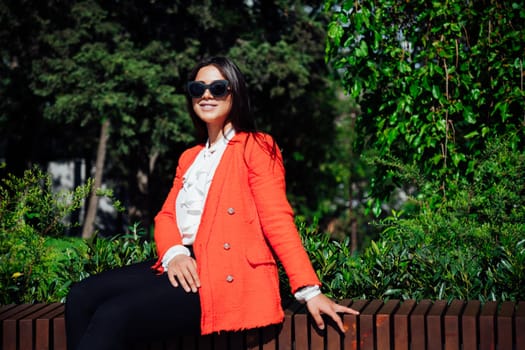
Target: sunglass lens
x=196, y=89
x=219, y=88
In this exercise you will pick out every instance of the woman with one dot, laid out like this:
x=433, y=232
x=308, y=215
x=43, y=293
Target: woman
x=223, y=221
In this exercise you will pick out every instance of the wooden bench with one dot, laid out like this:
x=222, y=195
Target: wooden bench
x=381, y=325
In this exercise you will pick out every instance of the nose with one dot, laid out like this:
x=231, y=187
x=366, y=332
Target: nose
x=207, y=94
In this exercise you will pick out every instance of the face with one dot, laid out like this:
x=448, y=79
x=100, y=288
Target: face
x=210, y=109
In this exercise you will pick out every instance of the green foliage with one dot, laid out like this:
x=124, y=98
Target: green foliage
x=102, y=254
x=30, y=202
x=434, y=82
x=30, y=215
x=36, y=265
x=94, y=71
x=472, y=247
x=68, y=65
x=332, y=260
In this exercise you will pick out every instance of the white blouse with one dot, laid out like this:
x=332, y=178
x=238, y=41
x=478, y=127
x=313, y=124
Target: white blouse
x=192, y=197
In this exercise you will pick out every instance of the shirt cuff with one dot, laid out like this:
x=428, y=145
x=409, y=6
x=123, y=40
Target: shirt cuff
x=306, y=293
x=173, y=252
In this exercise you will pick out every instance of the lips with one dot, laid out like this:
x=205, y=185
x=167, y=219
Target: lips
x=206, y=106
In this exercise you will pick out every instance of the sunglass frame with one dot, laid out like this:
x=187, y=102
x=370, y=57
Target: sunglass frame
x=210, y=87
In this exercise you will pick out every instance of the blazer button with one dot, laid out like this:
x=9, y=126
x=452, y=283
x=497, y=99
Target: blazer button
x=226, y=246
x=229, y=278
x=231, y=211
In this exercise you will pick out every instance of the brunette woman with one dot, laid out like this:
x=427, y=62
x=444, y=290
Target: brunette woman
x=221, y=225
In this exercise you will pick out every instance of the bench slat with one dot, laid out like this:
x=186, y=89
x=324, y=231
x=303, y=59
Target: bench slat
x=452, y=325
x=487, y=326
x=519, y=322
x=418, y=324
x=469, y=323
x=285, y=339
x=367, y=325
x=10, y=330
x=27, y=327
x=385, y=324
x=351, y=338
x=504, y=325
x=401, y=325
x=435, y=326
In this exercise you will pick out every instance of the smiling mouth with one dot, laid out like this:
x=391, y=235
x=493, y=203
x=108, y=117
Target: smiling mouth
x=207, y=105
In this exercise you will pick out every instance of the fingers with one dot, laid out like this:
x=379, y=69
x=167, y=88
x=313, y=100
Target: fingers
x=346, y=310
x=322, y=305
x=172, y=279
x=318, y=319
x=182, y=270
x=338, y=321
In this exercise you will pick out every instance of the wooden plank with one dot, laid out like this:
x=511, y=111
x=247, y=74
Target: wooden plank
x=418, y=323
x=469, y=324
x=10, y=311
x=10, y=325
x=504, y=325
x=59, y=336
x=26, y=326
x=334, y=336
x=367, y=325
x=401, y=325
x=285, y=338
x=452, y=325
x=316, y=335
x=519, y=324
x=43, y=325
x=435, y=331
x=5, y=309
x=300, y=329
x=351, y=322
x=385, y=324
x=487, y=326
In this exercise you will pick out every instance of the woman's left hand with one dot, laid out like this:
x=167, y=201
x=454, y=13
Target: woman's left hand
x=321, y=304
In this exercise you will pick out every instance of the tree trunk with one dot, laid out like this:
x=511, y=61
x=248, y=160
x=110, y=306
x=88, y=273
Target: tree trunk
x=91, y=213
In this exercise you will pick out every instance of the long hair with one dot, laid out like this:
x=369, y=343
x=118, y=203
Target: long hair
x=241, y=115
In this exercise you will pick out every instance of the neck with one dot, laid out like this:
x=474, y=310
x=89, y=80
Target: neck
x=216, y=133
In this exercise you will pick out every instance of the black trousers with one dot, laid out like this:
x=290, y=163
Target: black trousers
x=119, y=307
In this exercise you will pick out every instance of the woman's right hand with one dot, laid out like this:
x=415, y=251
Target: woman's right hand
x=182, y=269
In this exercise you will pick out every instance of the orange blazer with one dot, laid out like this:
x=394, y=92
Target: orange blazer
x=247, y=218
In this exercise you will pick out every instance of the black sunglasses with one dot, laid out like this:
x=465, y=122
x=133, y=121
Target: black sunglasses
x=218, y=88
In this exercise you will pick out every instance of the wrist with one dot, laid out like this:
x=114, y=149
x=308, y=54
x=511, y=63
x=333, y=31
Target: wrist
x=173, y=252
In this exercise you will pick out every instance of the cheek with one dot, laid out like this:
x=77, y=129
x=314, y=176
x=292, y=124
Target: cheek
x=229, y=104
x=194, y=106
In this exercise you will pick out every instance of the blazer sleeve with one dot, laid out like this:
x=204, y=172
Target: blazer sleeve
x=267, y=184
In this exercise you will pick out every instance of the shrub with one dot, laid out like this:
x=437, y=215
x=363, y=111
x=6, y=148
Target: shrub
x=471, y=247
x=31, y=267
x=35, y=264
